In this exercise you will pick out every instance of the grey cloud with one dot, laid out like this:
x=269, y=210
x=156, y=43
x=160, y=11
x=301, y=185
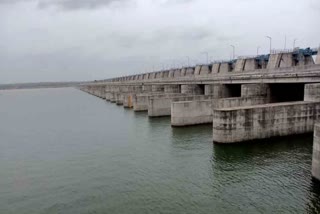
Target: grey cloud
x=78, y=4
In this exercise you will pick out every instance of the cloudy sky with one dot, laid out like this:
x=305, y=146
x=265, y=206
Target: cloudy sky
x=65, y=40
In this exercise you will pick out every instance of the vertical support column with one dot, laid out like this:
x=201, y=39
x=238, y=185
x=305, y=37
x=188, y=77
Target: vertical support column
x=316, y=152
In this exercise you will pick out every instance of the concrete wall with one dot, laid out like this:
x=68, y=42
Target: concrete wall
x=318, y=57
x=140, y=102
x=177, y=73
x=312, y=92
x=169, y=89
x=224, y=68
x=231, y=125
x=147, y=88
x=158, y=88
x=215, y=68
x=128, y=100
x=197, y=70
x=250, y=65
x=160, y=105
x=191, y=113
x=199, y=111
x=254, y=90
x=190, y=72
x=192, y=89
x=280, y=60
x=316, y=152
x=240, y=64
x=205, y=70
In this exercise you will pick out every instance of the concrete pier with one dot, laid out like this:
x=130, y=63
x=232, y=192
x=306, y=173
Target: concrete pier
x=238, y=124
x=316, y=152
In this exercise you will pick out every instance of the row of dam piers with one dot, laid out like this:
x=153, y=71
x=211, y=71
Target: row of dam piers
x=253, y=99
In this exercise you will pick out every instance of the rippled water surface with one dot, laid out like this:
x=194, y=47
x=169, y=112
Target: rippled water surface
x=64, y=151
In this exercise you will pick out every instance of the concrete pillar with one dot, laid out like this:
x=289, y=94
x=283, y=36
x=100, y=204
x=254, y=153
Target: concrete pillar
x=208, y=89
x=158, y=88
x=145, y=76
x=240, y=63
x=152, y=75
x=246, y=123
x=183, y=72
x=316, y=152
x=192, y=89
x=171, y=73
x=165, y=74
x=220, y=91
x=215, y=68
x=205, y=70
x=170, y=89
x=312, y=92
x=177, y=73
x=197, y=70
x=250, y=65
x=255, y=90
x=318, y=57
x=159, y=75
x=224, y=68
x=280, y=60
x=190, y=72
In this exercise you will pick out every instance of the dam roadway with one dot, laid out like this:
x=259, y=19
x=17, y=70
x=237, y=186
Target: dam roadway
x=245, y=99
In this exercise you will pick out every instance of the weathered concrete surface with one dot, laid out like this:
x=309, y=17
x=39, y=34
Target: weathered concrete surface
x=316, y=152
x=255, y=90
x=161, y=105
x=312, y=92
x=318, y=57
x=170, y=89
x=200, y=111
x=274, y=61
x=250, y=65
x=141, y=101
x=192, y=89
x=240, y=64
x=231, y=125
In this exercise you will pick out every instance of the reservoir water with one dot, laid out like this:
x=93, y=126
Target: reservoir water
x=64, y=151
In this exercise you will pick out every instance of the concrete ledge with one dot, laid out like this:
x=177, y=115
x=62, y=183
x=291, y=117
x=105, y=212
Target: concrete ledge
x=161, y=106
x=141, y=101
x=231, y=125
x=191, y=113
x=200, y=111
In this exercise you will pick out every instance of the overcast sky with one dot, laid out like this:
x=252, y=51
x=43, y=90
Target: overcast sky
x=66, y=40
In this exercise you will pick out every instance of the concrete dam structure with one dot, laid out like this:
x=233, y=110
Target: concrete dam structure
x=245, y=99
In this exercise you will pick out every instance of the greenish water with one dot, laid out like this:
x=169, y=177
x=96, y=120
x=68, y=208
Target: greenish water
x=64, y=151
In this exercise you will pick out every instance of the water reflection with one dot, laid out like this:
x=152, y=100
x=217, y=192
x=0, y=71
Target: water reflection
x=313, y=205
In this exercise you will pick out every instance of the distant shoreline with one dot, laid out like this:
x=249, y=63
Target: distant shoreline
x=16, y=86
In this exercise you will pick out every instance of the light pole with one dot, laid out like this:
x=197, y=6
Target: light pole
x=270, y=38
x=258, y=50
x=233, y=51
